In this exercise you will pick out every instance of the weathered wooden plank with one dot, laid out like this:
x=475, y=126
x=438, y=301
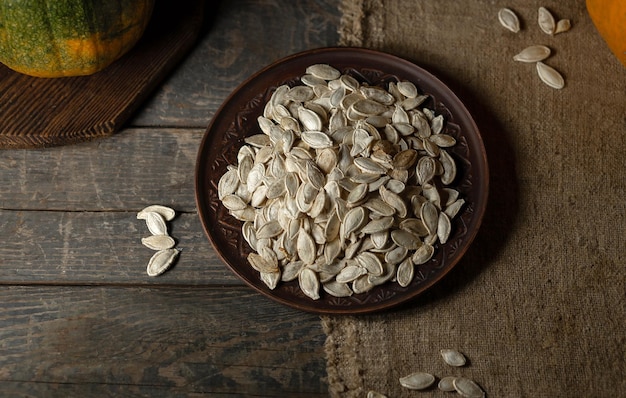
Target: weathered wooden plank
x=127, y=171
x=43, y=112
x=101, y=248
x=242, y=37
x=96, y=341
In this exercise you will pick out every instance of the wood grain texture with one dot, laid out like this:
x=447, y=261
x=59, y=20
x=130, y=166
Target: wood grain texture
x=79, y=315
x=241, y=37
x=38, y=112
x=97, y=248
x=125, y=172
x=108, y=342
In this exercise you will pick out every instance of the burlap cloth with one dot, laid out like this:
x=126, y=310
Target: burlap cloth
x=538, y=302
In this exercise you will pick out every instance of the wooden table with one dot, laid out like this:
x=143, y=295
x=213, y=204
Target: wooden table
x=80, y=316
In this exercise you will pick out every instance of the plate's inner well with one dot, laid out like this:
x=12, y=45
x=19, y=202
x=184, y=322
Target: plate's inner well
x=341, y=188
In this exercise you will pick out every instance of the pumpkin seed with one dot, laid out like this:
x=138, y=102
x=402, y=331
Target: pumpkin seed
x=323, y=71
x=407, y=89
x=563, y=25
x=550, y=76
x=423, y=254
x=168, y=214
x=306, y=247
x=309, y=283
x=546, y=21
x=261, y=263
x=467, y=388
x=270, y=279
x=378, y=225
x=366, y=107
x=231, y=202
x=300, y=94
x=453, y=357
x=316, y=139
x=417, y=381
x=509, y=19
x=446, y=384
x=444, y=227
x=350, y=273
x=337, y=289
x=156, y=223
x=405, y=272
x=370, y=262
x=310, y=120
x=162, y=261
x=534, y=53
x=158, y=242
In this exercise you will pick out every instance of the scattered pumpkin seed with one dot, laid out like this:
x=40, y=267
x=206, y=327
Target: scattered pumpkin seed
x=417, y=381
x=534, y=53
x=446, y=384
x=563, y=25
x=161, y=261
x=453, y=357
x=467, y=388
x=546, y=21
x=158, y=242
x=508, y=18
x=156, y=217
x=550, y=76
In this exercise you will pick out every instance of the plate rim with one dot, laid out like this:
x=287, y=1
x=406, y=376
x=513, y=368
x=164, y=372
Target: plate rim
x=476, y=135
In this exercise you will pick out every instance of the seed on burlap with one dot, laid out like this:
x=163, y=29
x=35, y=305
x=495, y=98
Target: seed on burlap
x=546, y=21
x=467, y=388
x=550, y=76
x=563, y=25
x=375, y=394
x=446, y=384
x=453, y=357
x=417, y=381
x=533, y=53
x=509, y=19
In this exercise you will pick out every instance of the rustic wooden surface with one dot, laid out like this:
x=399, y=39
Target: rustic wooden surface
x=79, y=315
x=47, y=112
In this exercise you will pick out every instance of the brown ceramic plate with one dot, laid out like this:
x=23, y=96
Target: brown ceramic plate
x=237, y=118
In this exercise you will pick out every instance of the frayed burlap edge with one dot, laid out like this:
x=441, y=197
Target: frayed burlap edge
x=341, y=340
x=361, y=23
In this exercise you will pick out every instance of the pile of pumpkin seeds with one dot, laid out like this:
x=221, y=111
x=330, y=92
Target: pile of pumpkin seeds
x=156, y=218
x=346, y=186
x=537, y=54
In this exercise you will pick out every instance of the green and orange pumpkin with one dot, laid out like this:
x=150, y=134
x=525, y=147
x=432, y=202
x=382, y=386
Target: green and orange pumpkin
x=55, y=38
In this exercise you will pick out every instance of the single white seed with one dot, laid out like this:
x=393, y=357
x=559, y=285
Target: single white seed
x=453, y=357
x=509, y=19
x=550, y=76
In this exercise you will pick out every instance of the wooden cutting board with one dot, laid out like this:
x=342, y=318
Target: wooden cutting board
x=39, y=112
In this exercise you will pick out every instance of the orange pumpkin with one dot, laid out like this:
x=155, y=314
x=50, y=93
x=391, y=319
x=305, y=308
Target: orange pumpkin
x=609, y=17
